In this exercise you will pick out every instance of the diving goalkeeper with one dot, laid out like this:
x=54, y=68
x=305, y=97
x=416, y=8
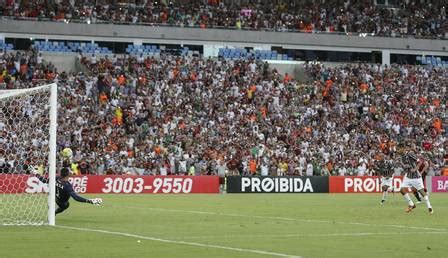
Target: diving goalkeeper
x=64, y=190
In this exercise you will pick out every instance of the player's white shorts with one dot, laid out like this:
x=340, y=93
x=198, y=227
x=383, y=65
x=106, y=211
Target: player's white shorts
x=387, y=181
x=417, y=183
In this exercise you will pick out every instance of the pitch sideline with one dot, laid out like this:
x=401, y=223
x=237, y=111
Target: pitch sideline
x=180, y=242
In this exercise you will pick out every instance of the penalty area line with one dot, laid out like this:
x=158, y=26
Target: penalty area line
x=236, y=249
x=289, y=219
x=358, y=234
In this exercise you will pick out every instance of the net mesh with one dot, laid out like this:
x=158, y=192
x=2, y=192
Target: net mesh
x=24, y=141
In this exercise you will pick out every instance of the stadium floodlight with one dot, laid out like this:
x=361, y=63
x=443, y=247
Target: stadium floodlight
x=28, y=120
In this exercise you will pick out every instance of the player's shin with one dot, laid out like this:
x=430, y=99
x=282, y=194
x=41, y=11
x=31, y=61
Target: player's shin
x=383, y=198
x=408, y=199
x=417, y=196
x=428, y=204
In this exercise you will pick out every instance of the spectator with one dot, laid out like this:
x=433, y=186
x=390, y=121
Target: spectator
x=425, y=19
x=244, y=115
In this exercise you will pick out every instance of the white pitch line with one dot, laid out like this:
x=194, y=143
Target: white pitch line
x=244, y=250
x=289, y=219
x=314, y=235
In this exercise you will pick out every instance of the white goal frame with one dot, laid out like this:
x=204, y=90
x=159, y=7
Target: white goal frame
x=52, y=141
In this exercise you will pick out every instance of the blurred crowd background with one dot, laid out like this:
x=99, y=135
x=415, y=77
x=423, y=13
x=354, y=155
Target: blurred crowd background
x=189, y=115
x=409, y=18
x=170, y=114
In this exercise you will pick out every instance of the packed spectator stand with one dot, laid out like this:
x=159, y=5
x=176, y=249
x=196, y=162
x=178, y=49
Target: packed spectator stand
x=414, y=18
x=24, y=69
x=188, y=115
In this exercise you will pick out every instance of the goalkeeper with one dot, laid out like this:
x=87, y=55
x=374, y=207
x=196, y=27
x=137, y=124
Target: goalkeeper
x=64, y=190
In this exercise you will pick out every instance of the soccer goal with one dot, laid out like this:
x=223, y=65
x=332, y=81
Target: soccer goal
x=28, y=119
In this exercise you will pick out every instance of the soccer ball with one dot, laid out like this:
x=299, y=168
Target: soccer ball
x=67, y=153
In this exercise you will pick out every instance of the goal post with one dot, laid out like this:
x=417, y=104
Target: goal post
x=52, y=154
x=28, y=124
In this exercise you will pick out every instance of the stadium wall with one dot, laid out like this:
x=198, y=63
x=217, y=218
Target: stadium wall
x=186, y=35
x=210, y=184
x=255, y=184
x=323, y=184
x=293, y=68
x=439, y=184
x=63, y=62
x=116, y=184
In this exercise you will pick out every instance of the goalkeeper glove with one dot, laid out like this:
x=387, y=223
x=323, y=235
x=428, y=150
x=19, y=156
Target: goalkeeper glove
x=96, y=201
x=35, y=171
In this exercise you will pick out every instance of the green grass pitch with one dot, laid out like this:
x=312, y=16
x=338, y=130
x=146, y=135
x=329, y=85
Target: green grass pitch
x=237, y=225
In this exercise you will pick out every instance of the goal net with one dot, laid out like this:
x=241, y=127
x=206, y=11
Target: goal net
x=27, y=144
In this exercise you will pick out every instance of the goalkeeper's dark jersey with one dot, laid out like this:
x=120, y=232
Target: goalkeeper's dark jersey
x=64, y=190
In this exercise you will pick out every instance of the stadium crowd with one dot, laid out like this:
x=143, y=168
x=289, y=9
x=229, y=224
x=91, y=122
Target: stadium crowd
x=24, y=69
x=415, y=18
x=187, y=115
